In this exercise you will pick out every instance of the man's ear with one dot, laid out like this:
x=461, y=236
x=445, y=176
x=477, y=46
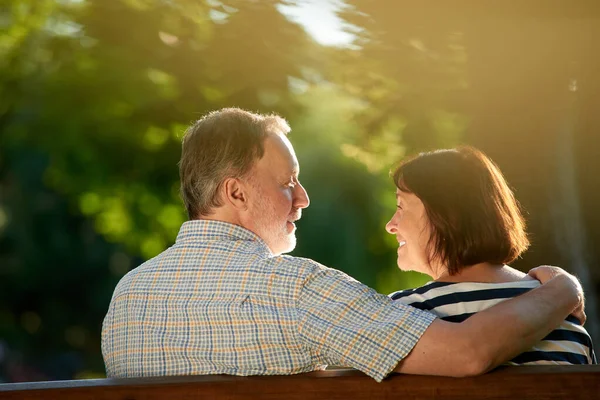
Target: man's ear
x=235, y=193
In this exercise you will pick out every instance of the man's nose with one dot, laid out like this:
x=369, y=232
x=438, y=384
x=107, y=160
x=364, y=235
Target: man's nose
x=301, y=199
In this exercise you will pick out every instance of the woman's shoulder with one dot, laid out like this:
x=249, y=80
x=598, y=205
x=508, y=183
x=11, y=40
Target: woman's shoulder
x=436, y=294
x=419, y=291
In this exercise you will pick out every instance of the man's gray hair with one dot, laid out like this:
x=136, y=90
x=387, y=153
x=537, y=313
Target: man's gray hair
x=222, y=144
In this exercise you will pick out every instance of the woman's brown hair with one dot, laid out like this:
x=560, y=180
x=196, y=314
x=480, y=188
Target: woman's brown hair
x=473, y=214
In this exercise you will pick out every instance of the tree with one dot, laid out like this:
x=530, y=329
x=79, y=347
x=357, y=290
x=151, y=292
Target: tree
x=95, y=97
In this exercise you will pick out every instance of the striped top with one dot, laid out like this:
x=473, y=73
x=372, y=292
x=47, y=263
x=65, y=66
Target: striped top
x=568, y=344
x=218, y=302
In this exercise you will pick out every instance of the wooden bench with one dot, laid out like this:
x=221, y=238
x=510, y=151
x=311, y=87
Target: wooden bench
x=538, y=382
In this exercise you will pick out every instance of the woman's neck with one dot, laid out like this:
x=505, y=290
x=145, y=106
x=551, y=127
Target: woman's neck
x=484, y=273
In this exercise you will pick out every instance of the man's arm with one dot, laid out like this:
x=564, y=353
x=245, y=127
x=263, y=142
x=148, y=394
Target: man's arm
x=494, y=336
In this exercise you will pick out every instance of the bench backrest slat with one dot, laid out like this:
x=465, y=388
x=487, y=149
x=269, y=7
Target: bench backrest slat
x=539, y=382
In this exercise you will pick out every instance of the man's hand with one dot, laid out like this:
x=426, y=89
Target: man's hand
x=493, y=336
x=546, y=273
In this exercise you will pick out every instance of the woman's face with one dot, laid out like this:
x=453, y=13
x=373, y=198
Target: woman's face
x=412, y=229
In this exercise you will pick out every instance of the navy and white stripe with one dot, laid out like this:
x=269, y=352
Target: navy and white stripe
x=455, y=302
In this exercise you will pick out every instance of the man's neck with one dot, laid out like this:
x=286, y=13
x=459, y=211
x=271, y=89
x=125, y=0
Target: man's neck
x=222, y=215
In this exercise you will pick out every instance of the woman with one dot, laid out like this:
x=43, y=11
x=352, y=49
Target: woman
x=458, y=222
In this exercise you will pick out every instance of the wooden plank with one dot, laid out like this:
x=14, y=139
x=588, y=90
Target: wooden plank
x=540, y=382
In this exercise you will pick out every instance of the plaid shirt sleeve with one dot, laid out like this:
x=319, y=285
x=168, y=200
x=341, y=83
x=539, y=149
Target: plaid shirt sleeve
x=344, y=322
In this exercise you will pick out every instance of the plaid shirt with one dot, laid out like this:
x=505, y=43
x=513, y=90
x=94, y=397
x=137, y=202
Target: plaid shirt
x=218, y=302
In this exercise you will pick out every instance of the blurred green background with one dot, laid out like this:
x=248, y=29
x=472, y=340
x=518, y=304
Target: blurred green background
x=95, y=96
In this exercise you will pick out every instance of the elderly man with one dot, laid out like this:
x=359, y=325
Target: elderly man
x=224, y=300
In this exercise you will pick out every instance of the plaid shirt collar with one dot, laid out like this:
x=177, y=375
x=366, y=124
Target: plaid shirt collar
x=202, y=230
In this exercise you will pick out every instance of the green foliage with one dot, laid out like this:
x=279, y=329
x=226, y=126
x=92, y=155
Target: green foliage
x=94, y=98
x=409, y=71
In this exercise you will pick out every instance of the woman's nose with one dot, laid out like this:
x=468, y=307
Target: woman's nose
x=390, y=227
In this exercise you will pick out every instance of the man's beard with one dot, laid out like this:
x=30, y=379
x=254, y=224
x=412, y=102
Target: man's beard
x=271, y=229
